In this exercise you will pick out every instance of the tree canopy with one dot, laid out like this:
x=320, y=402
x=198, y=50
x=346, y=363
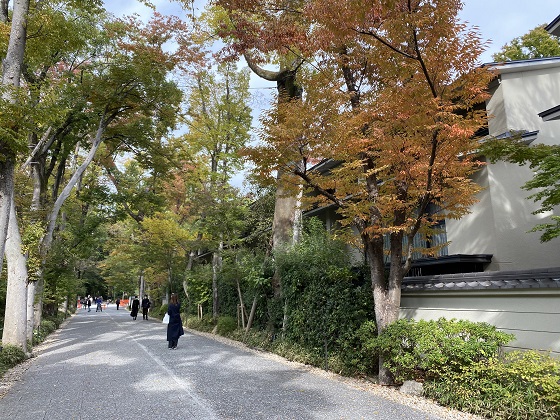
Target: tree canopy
x=537, y=43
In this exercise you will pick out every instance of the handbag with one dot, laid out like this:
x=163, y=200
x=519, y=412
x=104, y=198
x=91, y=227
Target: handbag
x=166, y=319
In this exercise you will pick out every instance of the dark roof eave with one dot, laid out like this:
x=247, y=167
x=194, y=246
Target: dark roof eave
x=551, y=114
x=544, y=278
x=553, y=27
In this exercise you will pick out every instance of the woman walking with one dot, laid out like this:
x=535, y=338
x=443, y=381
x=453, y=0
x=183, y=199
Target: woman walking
x=134, y=308
x=175, y=326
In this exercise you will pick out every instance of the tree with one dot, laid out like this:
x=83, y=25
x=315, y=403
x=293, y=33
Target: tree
x=219, y=119
x=537, y=43
x=15, y=321
x=261, y=32
x=123, y=92
x=392, y=98
x=545, y=161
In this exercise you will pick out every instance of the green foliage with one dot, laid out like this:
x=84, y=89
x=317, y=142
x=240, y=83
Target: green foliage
x=225, y=325
x=325, y=301
x=199, y=281
x=429, y=349
x=520, y=385
x=205, y=324
x=10, y=356
x=163, y=309
x=537, y=43
x=545, y=161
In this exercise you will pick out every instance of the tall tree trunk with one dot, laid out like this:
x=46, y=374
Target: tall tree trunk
x=386, y=291
x=30, y=310
x=6, y=193
x=286, y=210
x=47, y=239
x=15, y=318
x=11, y=73
x=15, y=322
x=216, y=268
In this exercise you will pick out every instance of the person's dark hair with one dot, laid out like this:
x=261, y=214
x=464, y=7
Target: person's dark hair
x=174, y=300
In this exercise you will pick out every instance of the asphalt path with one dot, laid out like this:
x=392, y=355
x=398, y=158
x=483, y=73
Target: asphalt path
x=105, y=365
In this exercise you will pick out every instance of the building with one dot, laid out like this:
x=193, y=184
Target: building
x=494, y=269
x=518, y=289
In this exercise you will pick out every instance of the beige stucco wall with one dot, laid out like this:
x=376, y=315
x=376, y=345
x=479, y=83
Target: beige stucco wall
x=532, y=316
x=500, y=221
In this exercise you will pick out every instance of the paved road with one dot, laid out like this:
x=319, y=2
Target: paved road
x=107, y=366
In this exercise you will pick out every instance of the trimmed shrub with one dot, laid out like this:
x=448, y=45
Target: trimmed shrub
x=225, y=325
x=519, y=385
x=10, y=356
x=205, y=324
x=163, y=310
x=421, y=350
x=47, y=326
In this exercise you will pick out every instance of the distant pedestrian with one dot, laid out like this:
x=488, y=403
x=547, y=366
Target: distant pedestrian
x=118, y=302
x=98, y=300
x=175, y=326
x=134, y=308
x=88, y=300
x=145, y=306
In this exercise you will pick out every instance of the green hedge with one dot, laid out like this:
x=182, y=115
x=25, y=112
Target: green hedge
x=519, y=385
x=421, y=350
x=10, y=356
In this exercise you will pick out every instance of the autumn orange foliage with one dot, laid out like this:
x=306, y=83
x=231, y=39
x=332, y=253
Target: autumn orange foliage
x=392, y=92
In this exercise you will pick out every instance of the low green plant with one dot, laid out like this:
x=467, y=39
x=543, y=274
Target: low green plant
x=519, y=385
x=225, y=325
x=10, y=356
x=205, y=324
x=47, y=326
x=163, y=310
x=421, y=350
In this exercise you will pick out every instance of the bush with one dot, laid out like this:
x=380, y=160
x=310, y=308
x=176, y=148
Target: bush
x=226, y=325
x=206, y=324
x=10, y=356
x=47, y=326
x=163, y=309
x=420, y=350
x=520, y=385
x=354, y=356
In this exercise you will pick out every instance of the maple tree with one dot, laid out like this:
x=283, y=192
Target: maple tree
x=391, y=101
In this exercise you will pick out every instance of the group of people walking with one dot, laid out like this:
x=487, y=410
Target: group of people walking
x=174, y=327
x=86, y=303
x=135, y=306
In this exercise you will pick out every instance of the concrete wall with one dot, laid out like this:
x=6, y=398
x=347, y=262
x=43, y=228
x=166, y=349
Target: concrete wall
x=532, y=316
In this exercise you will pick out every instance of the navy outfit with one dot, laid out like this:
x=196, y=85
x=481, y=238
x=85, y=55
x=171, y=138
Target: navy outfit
x=175, y=326
x=134, y=308
x=145, y=306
